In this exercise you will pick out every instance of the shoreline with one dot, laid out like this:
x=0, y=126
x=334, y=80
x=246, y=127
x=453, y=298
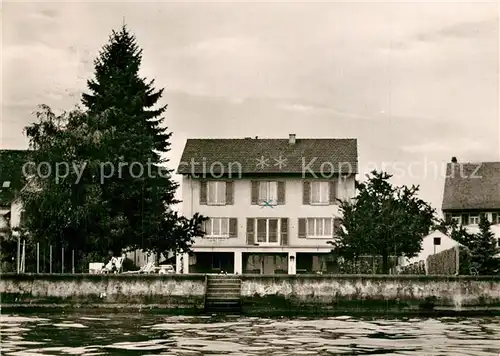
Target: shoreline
x=257, y=295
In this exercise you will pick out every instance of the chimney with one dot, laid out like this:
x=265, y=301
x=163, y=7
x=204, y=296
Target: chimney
x=292, y=139
x=454, y=160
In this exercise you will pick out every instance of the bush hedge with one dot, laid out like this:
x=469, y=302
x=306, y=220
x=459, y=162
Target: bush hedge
x=445, y=262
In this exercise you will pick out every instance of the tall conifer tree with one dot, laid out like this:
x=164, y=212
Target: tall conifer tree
x=137, y=189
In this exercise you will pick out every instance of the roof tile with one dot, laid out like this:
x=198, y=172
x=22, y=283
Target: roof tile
x=264, y=156
x=472, y=186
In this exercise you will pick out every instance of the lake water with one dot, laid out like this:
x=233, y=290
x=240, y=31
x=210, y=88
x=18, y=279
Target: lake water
x=149, y=334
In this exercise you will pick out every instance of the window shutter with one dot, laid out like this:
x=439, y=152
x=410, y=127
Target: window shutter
x=465, y=219
x=302, y=228
x=333, y=191
x=447, y=218
x=284, y=231
x=281, y=193
x=337, y=225
x=494, y=218
x=229, y=193
x=203, y=192
x=306, y=193
x=233, y=227
x=255, y=192
x=482, y=216
x=250, y=231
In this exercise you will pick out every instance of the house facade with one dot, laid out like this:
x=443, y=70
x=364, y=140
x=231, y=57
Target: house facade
x=472, y=190
x=12, y=181
x=433, y=243
x=272, y=203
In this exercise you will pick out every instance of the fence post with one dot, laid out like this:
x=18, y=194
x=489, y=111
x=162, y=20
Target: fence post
x=37, y=257
x=18, y=254
x=73, y=261
x=23, y=266
x=50, y=259
x=62, y=260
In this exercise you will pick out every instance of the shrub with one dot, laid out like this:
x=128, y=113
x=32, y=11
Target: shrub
x=445, y=262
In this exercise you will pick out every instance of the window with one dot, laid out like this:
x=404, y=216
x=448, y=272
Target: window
x=474, y=219
x=456, y=219
x=267, y=231
x=216, y=193
x=268, y=193
x=437, y=241
x=319, y=227
x=216, y=227
x=319, y=193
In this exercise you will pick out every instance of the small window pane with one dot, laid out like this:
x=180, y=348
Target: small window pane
x=224, y=227
x=208, y=227
x=310, y=227
x=262, y=191
x=212, y=192
x=324, y=192
x=328, y=227
x=315, y=192
x=273, y=230
x=273, y=193
x=221, y=192
x=319, y=227
x=216, y=227
x=261, y=230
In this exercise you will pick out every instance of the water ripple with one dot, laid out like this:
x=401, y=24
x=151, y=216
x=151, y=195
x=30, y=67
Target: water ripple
x=147, y=334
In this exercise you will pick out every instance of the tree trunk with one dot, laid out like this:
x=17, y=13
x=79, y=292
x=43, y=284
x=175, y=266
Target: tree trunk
x=385, y=262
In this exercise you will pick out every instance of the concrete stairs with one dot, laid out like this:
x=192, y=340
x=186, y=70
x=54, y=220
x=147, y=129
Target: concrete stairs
x=223, y=294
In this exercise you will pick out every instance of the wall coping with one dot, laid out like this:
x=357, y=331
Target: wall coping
x=494, y=278
x=243, y=277
x=94, y=277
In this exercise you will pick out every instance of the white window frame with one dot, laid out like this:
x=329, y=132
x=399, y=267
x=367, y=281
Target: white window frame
x=269, y=199
x=217, y=186
x=217, y=222
x=473, y=218
x=278, y=242
x=324, y=222
x=324, y=188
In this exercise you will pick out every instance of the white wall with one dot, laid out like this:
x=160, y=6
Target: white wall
x=243, y=209
x=15, y=213
x=428, y=247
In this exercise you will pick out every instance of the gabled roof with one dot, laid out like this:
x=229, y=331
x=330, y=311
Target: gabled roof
x=11, y=174
x=264, y=156
x=472, y=186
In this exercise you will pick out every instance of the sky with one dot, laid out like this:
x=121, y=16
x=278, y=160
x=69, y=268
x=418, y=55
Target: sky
x=415, y=82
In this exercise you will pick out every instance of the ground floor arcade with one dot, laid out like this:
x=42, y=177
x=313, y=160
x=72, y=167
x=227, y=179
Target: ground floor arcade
x=256, y=262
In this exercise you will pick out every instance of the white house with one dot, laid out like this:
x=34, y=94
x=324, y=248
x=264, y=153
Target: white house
x=272, y=203
x=472, y=190
x=433, y=243
x=11, y=183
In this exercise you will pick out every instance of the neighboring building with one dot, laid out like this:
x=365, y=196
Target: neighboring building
x=272, y=203
x=472, y=190
x=433, y=243
x=12, y=180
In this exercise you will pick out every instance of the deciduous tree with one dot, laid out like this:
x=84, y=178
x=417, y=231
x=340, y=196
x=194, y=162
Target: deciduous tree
x=383, y=220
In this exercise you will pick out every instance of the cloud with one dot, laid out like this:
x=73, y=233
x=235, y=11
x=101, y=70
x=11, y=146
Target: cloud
x=447, y=146
x=487, y=28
